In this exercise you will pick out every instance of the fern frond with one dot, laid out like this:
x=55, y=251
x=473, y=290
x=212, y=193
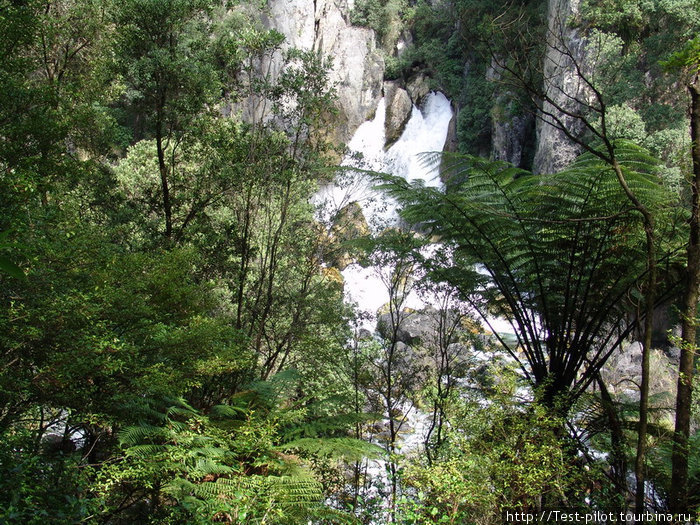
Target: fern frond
x=325, y=425
x=137, y=434
x=561, y=253
x=349, y=449
x=146, y=451
x=227, y=411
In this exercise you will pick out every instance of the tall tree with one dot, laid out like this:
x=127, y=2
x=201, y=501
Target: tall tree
x=570, y=89
x=165, y=57
x=688, y=58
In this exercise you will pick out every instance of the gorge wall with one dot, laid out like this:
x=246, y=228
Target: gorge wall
x=358, y=71
x=357, y=67
x=562, y=84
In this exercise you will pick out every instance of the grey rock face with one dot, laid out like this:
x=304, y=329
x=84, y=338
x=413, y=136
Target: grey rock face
x=507, y=138
x=563, y=85
x=451, y=142
x=418, y=86
x=508, y=130
x=622, y=374
x=357, y=68
x=413, y=328
x=295, y=19
x=398, y=111
x=358, y=71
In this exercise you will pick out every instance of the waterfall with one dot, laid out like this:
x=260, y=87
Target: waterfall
x=425, y=131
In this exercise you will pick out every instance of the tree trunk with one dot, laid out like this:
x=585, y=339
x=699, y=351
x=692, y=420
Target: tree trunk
x=650, y=297
x=617, y=440
x=163, y=169
x=678, y=501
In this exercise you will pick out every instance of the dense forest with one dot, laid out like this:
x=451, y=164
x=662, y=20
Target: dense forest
x=177, y=342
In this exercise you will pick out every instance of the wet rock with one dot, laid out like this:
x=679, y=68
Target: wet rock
x=418, y=87
x=363, y=334
x=404, y=42
x=451, y=146
x=398, y=111
x=451, y=142
x=350, y=222
x=414, y=327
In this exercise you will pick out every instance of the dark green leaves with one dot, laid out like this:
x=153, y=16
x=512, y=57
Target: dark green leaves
x=558, y=255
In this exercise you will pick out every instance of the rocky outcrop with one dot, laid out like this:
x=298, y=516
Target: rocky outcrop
x=508, y=136
x=357, y=68
x=451, y=141
x=418, y=87
x=295, y=19
x=509, y=129
x=622, y=374
x=563, y=86
x=414, y=328
x=398, y=111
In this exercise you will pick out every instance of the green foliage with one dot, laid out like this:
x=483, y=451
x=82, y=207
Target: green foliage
x=227, y=464
x=386, y=17
x=500, y=456
x=111, y=311
x=630, y=43
x=116, y=117
x=474, y=120
x=454, y=44
x=687, y=57
x=672, y=145
x=660, y=457
x=560, y=254
x=437, y=49
x=6, y=265
x=162, y=55
x=29, y=482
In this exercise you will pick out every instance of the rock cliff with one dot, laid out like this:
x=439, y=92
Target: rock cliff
x=357, y=67
x=563, y=86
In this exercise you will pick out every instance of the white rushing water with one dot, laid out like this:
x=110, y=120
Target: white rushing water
x=426, y=131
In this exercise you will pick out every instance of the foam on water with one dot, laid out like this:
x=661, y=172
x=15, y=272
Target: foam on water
x=425, y=132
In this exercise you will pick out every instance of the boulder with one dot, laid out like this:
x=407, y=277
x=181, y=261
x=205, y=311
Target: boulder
x=414, y=328
x=398, y=111
x=622, y=374
x=418, y=87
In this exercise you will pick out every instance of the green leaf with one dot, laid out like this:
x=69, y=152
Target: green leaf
x=11, y=268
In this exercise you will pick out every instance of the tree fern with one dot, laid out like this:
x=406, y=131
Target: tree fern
x=348, y=449
x=235, y=465
x=561, y=253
